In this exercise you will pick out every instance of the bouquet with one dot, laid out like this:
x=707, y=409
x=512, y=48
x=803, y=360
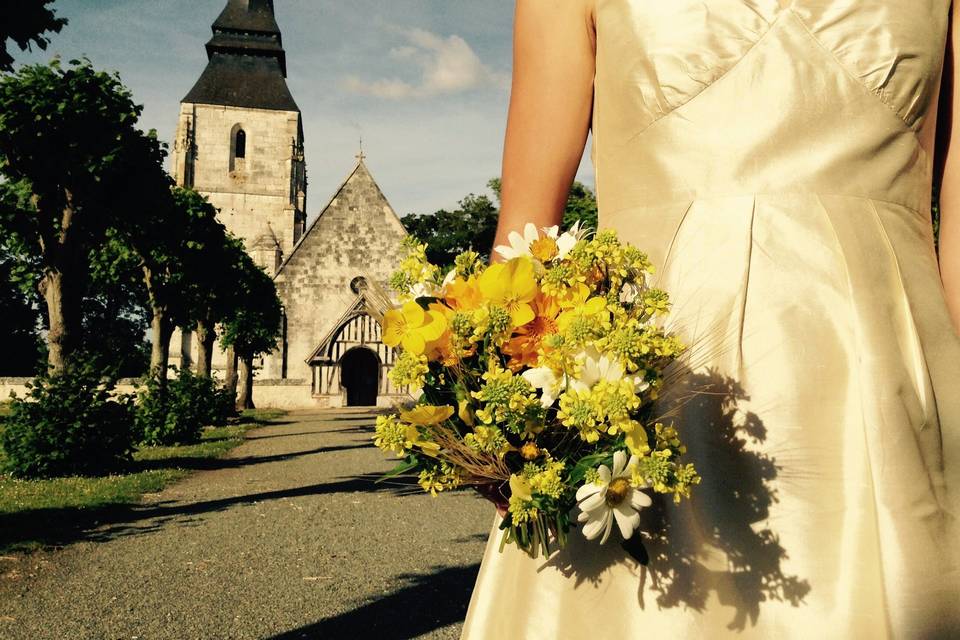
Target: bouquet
x=538, y=375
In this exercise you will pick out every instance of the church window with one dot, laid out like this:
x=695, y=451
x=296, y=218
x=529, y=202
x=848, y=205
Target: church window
x=240, y=144
x=238, y=148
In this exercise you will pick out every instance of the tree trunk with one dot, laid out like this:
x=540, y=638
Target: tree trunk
x=58, y=286
x=61, y=335
x=230, y=379
x=161, y=331
x=245, y=396
x=206, y=336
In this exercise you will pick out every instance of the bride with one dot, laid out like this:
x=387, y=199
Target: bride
x=775, y=159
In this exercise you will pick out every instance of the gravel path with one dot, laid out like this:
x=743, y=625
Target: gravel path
x=287, y=538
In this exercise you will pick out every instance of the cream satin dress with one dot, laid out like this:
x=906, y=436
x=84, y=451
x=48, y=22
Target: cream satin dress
x=765, y=154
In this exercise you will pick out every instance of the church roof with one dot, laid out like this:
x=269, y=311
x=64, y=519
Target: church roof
x=359, y=174
x=247, y=66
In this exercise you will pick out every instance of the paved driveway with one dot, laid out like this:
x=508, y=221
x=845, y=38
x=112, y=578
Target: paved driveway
x=288, y=537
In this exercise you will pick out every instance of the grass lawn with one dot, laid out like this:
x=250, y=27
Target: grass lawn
x=37, y=513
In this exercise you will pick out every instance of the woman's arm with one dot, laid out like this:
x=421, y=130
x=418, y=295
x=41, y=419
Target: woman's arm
x=550, y=108
x=948, y=150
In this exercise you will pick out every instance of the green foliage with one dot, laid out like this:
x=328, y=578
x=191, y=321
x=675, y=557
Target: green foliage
x=448, y=233
x=175, y=412
x=71, y=423
x=72, y=165
x=26, y=22
x=20, y=322
x=473, y=225
x=254, y=323
x=581, y=206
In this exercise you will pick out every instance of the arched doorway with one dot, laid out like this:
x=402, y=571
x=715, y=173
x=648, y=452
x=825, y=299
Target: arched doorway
x=360, y=376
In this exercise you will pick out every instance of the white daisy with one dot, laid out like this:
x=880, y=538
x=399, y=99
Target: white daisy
x=597, y=367
x=519, y=244
x=567, y=239
x=611, y=498
x=545, y=379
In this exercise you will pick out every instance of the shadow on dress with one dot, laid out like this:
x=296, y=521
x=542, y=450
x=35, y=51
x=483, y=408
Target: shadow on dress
x=717, y=541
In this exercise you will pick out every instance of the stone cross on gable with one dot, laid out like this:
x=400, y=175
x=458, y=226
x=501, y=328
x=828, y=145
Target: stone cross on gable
x=360, y=156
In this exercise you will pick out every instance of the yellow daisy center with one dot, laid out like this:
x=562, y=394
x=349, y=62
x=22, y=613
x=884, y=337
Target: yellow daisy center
x=617, y=491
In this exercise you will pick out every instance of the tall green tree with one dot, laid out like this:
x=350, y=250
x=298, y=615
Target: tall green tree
x=74, y=166
x=174, y=247
x=26, y=23
x=254, y=325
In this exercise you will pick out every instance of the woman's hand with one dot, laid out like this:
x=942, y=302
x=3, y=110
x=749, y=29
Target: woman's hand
x=551, y=102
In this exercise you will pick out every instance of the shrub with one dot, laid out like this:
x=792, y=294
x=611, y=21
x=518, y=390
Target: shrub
x=177, y=412
x=70, y=423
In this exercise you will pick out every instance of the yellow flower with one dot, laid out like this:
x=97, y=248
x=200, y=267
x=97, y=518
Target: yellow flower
x=412, y=327
x=464, y=412
x=414, y=439
x=544, y=249
x=636, y=437
x=427, y=415
x=463, y=295
x=520, y=487
x=511, y=285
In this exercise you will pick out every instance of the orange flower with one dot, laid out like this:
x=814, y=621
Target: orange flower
x=463, y=295
x=523, y=347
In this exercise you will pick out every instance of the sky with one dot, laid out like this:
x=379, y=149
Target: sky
x=426, y=83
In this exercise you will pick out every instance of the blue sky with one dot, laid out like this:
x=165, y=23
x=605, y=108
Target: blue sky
x=426, y=82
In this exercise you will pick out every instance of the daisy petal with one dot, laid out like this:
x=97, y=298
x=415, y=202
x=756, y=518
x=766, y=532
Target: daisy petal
x=588, y=490
x=608, y=526
x=627, y=519
x=593, y=528
x=593, y=502
x=639, y=500
x=619, y=463
x=604, y=472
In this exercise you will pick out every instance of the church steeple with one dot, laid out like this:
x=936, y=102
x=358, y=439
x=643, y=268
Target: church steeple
x=247, y=64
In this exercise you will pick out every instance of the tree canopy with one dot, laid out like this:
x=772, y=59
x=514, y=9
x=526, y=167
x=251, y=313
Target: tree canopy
x=74, y=168
x=26, y=23
x=473, y=225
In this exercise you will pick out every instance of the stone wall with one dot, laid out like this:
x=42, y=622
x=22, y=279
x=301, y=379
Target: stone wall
x=357, y=234
x=257, y=197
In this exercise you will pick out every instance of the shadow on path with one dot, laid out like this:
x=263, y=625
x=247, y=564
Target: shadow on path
x=234, y=463
x=430, y=601
x=59, y=527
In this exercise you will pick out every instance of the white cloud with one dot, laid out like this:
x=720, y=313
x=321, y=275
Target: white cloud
x=446, y=65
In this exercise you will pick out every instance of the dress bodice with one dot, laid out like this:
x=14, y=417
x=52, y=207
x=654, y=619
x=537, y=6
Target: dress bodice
x=697, y=98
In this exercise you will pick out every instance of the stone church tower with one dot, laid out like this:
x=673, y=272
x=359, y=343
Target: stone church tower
x=240, y=143
x=239, y=137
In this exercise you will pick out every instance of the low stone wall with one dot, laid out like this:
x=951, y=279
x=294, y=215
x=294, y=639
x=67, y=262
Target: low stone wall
x=297, y=394
x=267, y=394
x=19, y=387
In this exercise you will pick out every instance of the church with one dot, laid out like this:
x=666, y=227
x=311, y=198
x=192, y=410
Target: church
x=239, y=142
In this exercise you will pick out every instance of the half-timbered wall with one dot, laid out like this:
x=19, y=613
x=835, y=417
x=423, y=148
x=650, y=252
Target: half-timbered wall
x=360, y=330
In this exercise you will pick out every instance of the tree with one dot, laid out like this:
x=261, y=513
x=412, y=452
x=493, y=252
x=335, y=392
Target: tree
x=474, y=224
x=25, y=22
x=74, y=164
x=174, y=247
x=253, y=326
x=470, y=227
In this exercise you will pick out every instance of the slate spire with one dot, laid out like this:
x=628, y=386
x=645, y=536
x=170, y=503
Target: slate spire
x=247, y=65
